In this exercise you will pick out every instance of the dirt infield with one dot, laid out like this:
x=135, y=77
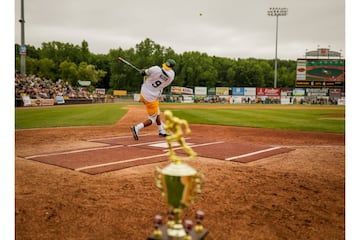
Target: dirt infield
x=299, y=194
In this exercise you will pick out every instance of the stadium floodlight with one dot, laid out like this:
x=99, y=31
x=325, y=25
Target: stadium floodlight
x=22, y=47
x=276, y=12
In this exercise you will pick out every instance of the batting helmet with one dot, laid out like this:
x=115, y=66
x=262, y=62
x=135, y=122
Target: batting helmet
x=170, y=63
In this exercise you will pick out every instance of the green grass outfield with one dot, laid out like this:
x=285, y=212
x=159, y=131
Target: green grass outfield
x=299, y=117
x=68, y=115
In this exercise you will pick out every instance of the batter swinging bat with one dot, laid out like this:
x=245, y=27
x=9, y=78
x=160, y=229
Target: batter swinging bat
x=127, y=63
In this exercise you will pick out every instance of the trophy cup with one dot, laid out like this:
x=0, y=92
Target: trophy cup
x=178, y=182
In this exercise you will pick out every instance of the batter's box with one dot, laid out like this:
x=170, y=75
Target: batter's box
x=162, y=145
x=99, y=160
x=237, y=152
x=129, y=140
x=228, y=151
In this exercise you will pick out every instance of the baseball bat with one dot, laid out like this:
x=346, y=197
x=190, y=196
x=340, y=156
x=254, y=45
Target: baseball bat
x=129, y=64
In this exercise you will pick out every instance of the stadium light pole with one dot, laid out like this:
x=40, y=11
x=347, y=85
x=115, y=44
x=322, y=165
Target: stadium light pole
x=276, y=12
x=22, y=47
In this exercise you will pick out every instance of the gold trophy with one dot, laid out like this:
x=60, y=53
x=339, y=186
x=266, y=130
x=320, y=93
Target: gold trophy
x=178, y=182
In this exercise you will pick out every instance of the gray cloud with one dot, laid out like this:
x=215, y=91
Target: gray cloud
x=228, y=28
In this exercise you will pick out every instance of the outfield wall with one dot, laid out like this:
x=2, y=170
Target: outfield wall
x=240, y=95
x=235, y=95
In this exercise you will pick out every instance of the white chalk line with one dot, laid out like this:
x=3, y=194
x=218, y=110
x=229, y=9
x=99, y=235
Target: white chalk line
x=73, y=151
x=137, y=159
x=149, y=143
x=252, y=153
x=111, y=138
x=197, y=145
x=117, y=162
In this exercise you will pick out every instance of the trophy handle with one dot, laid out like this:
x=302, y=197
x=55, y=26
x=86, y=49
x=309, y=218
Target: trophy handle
x=199, y=180
x=158, y=180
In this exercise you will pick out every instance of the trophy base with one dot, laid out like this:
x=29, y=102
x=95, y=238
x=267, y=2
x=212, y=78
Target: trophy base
x=194, y=235
x=177, y=232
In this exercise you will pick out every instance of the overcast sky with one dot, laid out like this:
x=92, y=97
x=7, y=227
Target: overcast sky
x=226, y=28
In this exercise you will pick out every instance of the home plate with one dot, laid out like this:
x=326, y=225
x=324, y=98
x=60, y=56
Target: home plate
x=166, y=145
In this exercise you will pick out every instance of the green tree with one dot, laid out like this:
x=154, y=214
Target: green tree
x=249, y=73
x=197, y=69
x=267, y=72
x=88, y=72
x=58, y=60
x=60, y=52
x=47, y=68
x=101, y=61
x=68, y=72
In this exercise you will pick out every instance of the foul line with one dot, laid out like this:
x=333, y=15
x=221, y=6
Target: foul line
x=73, y=151
x=117, y=162
x=251, y=154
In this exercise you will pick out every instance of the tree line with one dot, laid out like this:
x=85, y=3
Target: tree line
x=69, y=62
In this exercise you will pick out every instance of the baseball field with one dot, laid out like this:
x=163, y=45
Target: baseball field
x=271, y=171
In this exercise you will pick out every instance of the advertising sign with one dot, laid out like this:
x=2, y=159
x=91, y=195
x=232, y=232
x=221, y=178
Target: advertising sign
x=222, y=91
x=201, y=91
x=301, y=70
x=298, y=92
x=181, y=90
x=238, y=91
x=100, y=91
x=211, y=91
x=248, y=91
x=22, y=50
x=120, y=92
x=268, y=92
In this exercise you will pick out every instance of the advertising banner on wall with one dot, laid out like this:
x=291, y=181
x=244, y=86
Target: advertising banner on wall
x=181, y=90
x=237, y=91
x=47, y=102
x=317, y=91
x=175, y=90
x=26, y=100
x=120, y=92
x=211, y=91
x=271, y=92
x=336, y=93
x=286, y=91
x=222, y=91
x=298, y=92
x=100, y=91
x=59, y=99
x=185, y=90
x=249, y=91
x=200, y=91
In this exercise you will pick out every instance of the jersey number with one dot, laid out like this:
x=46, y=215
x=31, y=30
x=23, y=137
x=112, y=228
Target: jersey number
x=156, y=84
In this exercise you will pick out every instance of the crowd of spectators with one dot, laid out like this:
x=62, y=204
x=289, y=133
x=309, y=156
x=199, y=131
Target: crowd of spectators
x=42, y=88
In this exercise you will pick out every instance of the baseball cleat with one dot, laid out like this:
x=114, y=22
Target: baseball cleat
x=163, y=134
x=134, y=133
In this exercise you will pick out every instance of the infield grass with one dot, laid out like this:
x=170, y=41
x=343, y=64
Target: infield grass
x=317, y=119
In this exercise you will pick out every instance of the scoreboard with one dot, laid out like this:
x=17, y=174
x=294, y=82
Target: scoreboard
x=320, y=73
